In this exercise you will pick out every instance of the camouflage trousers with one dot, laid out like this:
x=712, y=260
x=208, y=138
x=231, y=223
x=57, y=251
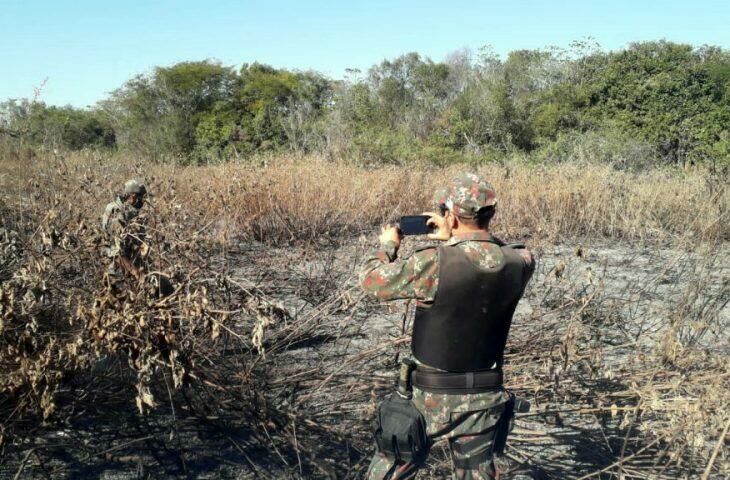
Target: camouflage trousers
x=466, y=421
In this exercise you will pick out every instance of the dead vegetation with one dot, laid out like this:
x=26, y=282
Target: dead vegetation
x=265, y=358
x=285, y=199
x=645, y=363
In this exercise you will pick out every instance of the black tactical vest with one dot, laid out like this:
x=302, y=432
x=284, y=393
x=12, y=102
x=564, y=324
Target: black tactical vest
x=466, y=327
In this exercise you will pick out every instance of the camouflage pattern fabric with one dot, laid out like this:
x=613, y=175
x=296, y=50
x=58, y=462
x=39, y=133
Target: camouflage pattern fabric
x=417, y=276
x=461, y=419
x=134, y=186
x=466, y=421
x=125, y=233
x=466, y=195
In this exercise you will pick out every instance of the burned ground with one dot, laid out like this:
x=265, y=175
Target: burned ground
x=582, y=350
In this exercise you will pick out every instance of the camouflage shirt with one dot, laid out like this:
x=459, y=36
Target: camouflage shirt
x=417, y=277
x=124, y=230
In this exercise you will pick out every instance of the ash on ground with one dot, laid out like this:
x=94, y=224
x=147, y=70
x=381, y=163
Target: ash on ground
x=597, y=345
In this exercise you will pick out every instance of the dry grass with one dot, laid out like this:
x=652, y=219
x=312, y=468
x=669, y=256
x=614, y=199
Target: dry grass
x=218, y=348
x=288, y=199
x=547, y=202
x=302, y=199
x=306, y=198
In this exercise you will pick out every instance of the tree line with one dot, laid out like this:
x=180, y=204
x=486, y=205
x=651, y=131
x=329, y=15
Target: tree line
x=651, y=102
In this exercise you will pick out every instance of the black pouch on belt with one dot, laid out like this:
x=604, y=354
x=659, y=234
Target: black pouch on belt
x=400, y=429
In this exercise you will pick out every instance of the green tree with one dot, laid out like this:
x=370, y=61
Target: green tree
x=50, y=127
x=269, y=109
x=666, y=93
x=158, y=114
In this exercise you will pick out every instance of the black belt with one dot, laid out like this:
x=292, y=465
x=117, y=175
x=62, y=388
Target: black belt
x=448, y=382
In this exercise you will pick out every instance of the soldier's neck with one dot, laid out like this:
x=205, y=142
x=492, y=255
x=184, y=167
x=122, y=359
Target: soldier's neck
x=463, y=230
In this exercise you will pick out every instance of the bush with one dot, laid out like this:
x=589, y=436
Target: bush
x=49, y=127
x=608, y=147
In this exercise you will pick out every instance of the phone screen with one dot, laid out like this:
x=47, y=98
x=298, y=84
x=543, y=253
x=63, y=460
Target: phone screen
x=415, y=225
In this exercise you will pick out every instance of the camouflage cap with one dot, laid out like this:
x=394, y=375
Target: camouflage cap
x=134, y=186
x=466, y=195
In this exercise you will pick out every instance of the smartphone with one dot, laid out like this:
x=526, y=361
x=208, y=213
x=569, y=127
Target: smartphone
x=415, y=225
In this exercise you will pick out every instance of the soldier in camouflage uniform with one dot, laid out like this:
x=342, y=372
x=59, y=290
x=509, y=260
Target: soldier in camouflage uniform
x=465, y=420
x=126, y=247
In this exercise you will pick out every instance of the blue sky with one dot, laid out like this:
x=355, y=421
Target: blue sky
x=87, y=48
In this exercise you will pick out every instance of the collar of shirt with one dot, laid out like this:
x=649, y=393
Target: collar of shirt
x=482, y=235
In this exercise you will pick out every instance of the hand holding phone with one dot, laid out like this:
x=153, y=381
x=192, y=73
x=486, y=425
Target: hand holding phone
x=440, y=226
x=390, y=234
